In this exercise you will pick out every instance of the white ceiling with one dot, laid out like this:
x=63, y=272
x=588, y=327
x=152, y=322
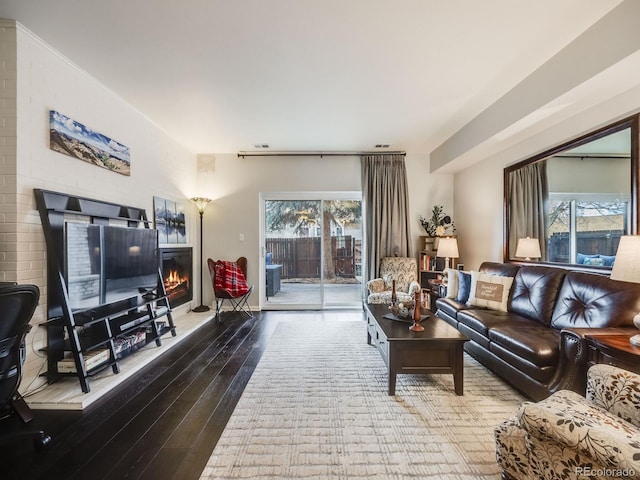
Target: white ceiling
x=221, y=76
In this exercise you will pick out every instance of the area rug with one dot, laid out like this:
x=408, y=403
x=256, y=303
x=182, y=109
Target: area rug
x=317, y=407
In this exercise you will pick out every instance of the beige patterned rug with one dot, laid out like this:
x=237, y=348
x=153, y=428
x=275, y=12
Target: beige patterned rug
x=317, y=407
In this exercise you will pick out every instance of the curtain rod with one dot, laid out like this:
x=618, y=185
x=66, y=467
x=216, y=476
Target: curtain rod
x=314, y=154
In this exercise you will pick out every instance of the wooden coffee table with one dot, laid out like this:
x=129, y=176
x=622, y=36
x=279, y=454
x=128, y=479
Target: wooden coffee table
x=438, y=349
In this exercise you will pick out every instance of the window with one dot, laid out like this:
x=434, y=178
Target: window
x=586, y=229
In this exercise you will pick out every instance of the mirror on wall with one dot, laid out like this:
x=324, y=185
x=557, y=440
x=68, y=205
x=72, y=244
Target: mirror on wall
x=576, y=199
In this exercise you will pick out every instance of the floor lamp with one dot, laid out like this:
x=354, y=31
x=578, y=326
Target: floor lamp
x=201, y=203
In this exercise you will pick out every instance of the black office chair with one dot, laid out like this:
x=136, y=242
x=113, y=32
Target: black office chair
x=17, y=304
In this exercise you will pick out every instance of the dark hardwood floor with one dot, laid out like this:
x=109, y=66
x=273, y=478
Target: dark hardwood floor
x=162, y=423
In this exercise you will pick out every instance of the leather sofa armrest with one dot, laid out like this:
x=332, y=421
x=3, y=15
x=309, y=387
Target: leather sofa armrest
x=574, y=355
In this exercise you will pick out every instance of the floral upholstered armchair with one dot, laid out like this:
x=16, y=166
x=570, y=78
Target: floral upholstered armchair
x=404, y=270
x=567, y=436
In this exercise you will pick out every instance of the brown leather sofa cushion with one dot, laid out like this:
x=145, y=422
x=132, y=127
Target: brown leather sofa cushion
x=529, y=370
x=534, y=292
x=450, y=306
x=476, y=323
x=533, y=342
x=591, y=301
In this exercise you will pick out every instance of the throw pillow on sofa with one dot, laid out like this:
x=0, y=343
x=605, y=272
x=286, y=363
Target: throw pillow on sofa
x=489, y=291
x=464, y=286
x=594, y=262
x=452, y=283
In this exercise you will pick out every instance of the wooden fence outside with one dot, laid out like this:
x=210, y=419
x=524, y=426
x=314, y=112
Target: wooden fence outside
x=301, y=257
x=587, y=243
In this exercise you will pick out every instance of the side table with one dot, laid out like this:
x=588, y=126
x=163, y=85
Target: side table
x=614, y=350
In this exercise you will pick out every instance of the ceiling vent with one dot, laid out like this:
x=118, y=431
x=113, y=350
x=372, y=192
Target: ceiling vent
x=261, y=145
x=383, y=145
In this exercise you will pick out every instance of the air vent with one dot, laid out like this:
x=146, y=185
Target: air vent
x=261, y=145
x=383, y=145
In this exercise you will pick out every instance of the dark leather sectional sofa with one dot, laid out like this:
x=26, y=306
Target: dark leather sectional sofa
x=539, y=344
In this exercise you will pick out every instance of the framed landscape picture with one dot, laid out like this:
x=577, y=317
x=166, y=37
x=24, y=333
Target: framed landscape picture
x=72, y=138
x=170, y=220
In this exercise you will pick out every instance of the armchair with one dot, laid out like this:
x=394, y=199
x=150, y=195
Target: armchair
x=572, y=437
x=404, y=270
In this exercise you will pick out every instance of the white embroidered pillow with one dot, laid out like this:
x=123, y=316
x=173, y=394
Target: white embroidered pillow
x=489, y=291
x=452, y=283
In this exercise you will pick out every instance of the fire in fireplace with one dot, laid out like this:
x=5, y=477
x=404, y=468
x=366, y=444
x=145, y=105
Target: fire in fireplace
x=176, y=268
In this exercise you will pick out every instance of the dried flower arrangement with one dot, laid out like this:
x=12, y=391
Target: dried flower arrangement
x=439, y=225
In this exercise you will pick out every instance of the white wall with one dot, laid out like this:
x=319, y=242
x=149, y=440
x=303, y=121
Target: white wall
x=235, y=184
x=36, y=79
x=159, y=166
x=478, y=198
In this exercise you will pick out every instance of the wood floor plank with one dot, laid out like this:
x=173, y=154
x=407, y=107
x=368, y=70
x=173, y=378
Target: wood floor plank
x=162, y=423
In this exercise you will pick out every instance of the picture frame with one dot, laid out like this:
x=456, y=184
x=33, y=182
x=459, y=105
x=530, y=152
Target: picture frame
x=170, y=220
x=72, y=138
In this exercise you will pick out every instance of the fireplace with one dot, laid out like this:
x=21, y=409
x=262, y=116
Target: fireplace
x=177, y=273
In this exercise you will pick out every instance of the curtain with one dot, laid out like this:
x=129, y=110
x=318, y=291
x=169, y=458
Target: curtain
x=386, y=203
x=528, y=193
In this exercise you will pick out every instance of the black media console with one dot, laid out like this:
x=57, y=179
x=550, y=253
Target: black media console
x=103, y=317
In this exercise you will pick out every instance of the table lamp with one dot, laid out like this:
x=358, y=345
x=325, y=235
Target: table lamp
x=447, y=248
x=626, y=268
x=528, y=248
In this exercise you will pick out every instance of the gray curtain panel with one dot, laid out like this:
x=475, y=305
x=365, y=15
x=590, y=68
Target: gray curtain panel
x=386, y=200
x=528, y=193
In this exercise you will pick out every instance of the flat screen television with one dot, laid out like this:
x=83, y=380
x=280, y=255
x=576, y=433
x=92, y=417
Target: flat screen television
x=104, y=264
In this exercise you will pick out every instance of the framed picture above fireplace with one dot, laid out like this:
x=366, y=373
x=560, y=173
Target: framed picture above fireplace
x=170, y=220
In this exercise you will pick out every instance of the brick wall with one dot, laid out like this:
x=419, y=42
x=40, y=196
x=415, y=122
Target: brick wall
x=8, y=142
x=35, y=79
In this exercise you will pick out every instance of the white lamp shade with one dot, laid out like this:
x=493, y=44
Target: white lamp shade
x=528, y=248
x=448, y=247
x=627, y=264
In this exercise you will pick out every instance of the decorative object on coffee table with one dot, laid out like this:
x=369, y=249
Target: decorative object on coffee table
x=417, y=315
x=394, y=296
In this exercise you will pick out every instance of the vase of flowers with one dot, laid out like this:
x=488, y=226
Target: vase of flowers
x=439, y=225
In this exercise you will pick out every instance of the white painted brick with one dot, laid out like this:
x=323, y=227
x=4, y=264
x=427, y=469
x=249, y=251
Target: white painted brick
x=47, y=81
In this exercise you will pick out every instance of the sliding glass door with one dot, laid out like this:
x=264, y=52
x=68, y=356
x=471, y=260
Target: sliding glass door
x=312, y=250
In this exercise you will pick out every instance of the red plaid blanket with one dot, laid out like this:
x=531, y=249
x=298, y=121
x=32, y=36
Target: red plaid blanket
x=229, y=278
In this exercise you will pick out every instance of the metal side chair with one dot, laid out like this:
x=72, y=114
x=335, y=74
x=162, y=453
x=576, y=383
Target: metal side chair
x=229, y=281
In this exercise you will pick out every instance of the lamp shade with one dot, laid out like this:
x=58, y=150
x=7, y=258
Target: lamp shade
x=201, y=203
x=627, y=264
x=448, y=247
x=528, y=248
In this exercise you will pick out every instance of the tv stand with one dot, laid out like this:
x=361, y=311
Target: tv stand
x=85, y=342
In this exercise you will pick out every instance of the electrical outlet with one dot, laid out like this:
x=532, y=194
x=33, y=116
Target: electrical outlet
x=242, y=237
